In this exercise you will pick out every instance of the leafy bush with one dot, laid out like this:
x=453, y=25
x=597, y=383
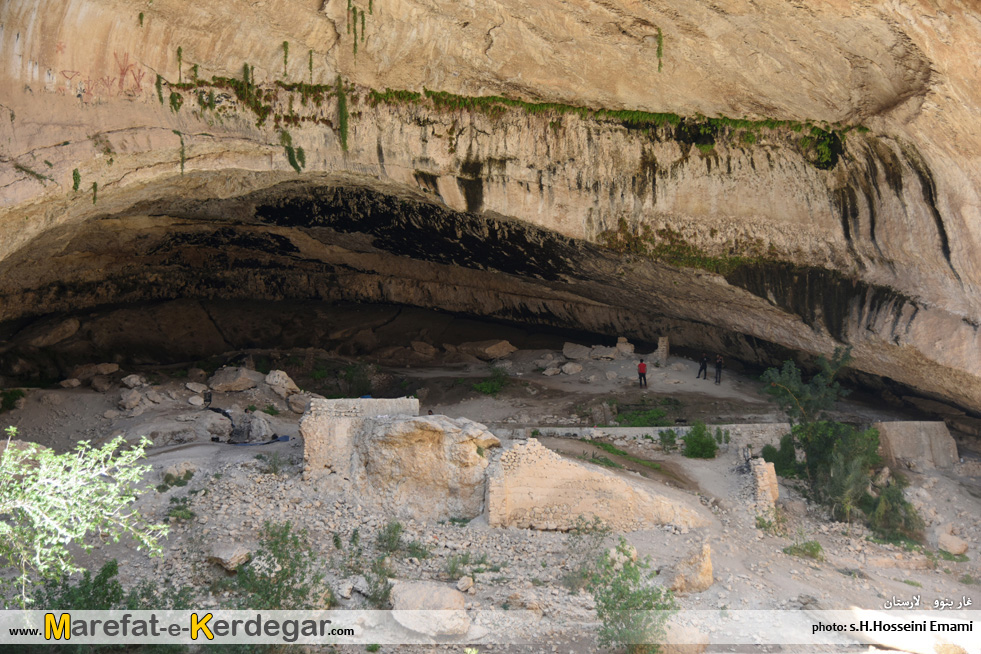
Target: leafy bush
x=894, y=517
x=699, y=443
x=50, y=502
x=8, y=398
x=810, y=549
x=390, y=538
x=417, y=550
x=632, y=610
x=668, y=439
x=379, y=591
x=180, y=508
x=281, y=574
x=493, y=384
x=645, y=418
x=784, y=460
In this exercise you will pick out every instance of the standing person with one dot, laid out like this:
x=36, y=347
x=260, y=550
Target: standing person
x=642, y=373
x=703, y=367
x=718, y=368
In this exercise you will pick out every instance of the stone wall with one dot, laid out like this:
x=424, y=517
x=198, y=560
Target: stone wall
x=330, y=427
x=916, y=444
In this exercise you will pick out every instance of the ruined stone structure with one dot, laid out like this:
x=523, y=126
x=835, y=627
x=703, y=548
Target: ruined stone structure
x=533, y=487
x=765, y=487
x=920, y=444
x=424, y=468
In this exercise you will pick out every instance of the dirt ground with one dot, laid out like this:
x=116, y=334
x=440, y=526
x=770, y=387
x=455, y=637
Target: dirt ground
x=233, y=490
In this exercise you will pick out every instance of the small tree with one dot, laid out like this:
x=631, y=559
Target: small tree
x=699, y=443
x=50, y=501
x=632, y=609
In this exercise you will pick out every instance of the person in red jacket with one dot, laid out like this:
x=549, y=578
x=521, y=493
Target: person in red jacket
x=642, y=373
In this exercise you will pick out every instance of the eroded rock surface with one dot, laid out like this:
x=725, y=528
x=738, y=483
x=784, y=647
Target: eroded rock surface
x=533, y=487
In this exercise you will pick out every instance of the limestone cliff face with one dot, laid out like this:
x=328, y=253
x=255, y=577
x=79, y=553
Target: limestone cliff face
x=798, y=230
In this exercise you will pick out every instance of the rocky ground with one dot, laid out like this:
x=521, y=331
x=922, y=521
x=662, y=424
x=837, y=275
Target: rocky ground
x=232, y=489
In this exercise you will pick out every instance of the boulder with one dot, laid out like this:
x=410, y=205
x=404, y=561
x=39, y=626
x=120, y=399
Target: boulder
x=694, y=574
x=101, y=383
x=250, y=427
x=551, y=372
x=610, y=375
x=533, y=487
x=464, y=584
x=196, y=375
x=129, y=399
x=196, y=387
x=132, y=381
x=229, y=555
x=430, y=608
x=600, y=352
x=26, y=447
x=425, y=349
x=575, y=351
x=229, y=379
x=487, y=350
x=951, y=543
x=70, y=383
x=572, y=368
x=195, y=400
x=923, y=444
x=56, y=333
x=281, y=384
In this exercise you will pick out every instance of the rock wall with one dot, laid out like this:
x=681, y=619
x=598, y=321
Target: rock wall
x=533, y=487
x=130, y=173
x=916, y=444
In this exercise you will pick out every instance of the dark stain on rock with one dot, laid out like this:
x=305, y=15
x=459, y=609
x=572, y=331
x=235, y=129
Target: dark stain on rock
x=429, y=232
x=427, y=181
x=823, y=299
x=471, y=184
x=846, y=205
x=929, y=188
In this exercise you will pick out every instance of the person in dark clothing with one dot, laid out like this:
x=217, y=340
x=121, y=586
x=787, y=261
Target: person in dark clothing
x=642, y=373
x=703, y=367
x=718, y=369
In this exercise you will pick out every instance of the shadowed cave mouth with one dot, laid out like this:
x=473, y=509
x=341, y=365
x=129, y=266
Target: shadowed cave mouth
x=302, y=265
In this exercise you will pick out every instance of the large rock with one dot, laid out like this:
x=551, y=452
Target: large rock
x=601, y=352
x=694, y=574
x=230, y=379
x=430, y=608
x=129, y=399
x=572, y=368
x=250, y=427
x=229, y=555
x=281, y=384
x=951, y=543
x=575, y=351
x=533, y=487
x=487, y=350
x=426, y=468
x=88, y=371
x=922, y=444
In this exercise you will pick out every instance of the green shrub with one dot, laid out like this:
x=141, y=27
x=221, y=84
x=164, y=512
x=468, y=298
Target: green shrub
x=668, y=439
x=632, y=610
x=644, y=418
x=379, y=591
x=784, y=460
x=417, y=550
x=180, y=508
x=271, y=410
x=699, y=444
x=50, y=503
x=894, y=517
x=494, y=384
x=390, y=537
x=282, y=574
x=810, y=549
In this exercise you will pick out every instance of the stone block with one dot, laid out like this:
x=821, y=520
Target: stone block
x=926, y=444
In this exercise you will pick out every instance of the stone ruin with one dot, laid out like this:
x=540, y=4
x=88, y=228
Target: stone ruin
x=434, y=467
x=391, y=459
x=533, y=487
x=765, y=487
